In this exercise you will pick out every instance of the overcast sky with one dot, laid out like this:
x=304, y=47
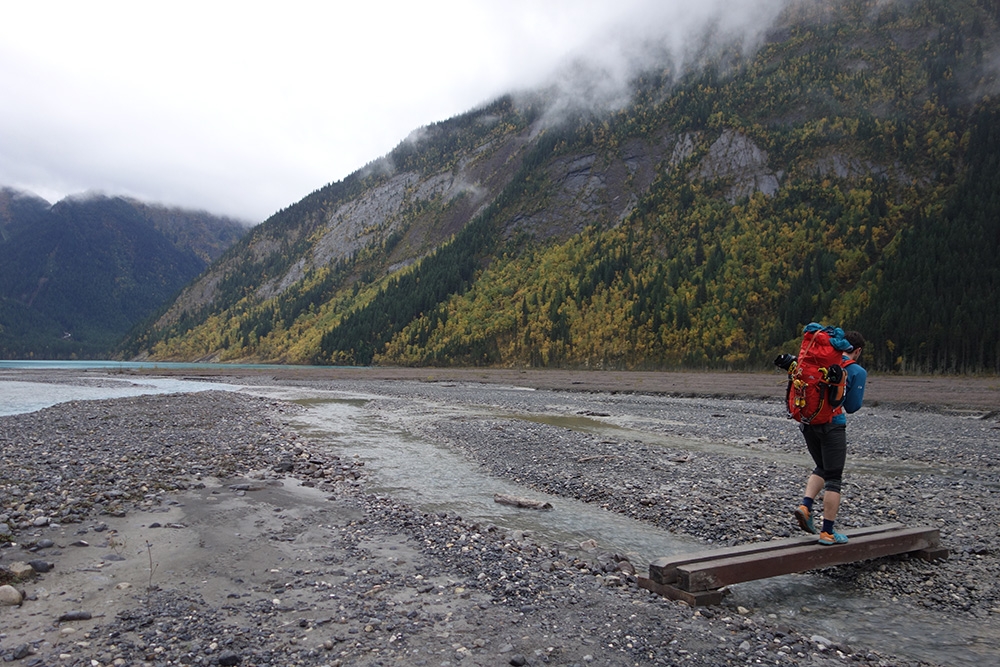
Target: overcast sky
x=244, y=108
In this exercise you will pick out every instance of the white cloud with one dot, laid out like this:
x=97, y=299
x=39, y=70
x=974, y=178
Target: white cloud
x=243, y=109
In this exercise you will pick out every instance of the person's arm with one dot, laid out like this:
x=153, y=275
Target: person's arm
x=856, y=379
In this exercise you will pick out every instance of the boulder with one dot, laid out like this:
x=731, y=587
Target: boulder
x=40, y=566
x=21, y=570
x=10, y=596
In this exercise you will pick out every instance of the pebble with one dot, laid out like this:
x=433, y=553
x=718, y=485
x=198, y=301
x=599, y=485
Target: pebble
x=21, y=652
x=75, y=616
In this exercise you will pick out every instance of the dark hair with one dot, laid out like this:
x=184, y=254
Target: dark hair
x=855, y=338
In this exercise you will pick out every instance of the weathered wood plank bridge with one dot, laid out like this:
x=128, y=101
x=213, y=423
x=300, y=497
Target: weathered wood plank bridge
x=700, y=578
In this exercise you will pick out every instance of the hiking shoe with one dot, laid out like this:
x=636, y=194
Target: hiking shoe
x=828, y=539
x=805, y=519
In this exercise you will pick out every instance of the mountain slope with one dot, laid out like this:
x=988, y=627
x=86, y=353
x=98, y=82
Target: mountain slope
x=702, y=224
x=76, y=276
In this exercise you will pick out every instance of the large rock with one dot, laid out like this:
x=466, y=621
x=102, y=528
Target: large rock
x=227, y=658
x=21, y=570
x=10, y=596
x=40, y=566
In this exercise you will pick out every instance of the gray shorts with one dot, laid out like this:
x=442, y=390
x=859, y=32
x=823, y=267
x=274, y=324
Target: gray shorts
x=827, y=445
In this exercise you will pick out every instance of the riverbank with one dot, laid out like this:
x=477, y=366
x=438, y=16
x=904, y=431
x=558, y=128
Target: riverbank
x=218, y=533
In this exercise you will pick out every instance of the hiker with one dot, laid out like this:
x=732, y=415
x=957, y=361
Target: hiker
x=827, y=444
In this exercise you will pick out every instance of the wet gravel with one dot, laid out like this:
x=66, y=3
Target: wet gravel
x=395, y=585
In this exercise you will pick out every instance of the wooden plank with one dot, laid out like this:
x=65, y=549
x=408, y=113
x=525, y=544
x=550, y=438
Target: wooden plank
x=717, y=573
x=698, y=599
x=664, y=570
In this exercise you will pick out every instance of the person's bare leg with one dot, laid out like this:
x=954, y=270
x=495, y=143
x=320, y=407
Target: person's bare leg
x=831, y=505
x=813, y=486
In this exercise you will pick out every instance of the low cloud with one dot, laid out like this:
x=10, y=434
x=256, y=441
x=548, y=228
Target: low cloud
x=245, y=112
x=670, y=37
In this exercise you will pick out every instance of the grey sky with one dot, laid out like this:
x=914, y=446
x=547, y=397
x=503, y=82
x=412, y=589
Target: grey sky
x=244, y=108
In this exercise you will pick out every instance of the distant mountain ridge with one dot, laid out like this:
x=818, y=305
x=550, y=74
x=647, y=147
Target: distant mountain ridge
x=842, y=173
x=76, y=276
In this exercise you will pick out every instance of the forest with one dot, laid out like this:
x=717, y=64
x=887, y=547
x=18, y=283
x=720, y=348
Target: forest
x=75, y=277
x=879, y=123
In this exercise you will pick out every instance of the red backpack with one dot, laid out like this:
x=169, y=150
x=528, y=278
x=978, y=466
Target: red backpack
x=816, y=378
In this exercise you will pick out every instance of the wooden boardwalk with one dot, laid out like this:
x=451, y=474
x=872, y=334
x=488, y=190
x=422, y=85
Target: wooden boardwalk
x=700, y=578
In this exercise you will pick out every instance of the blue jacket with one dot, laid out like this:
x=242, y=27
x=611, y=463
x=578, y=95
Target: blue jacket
x=854, y=393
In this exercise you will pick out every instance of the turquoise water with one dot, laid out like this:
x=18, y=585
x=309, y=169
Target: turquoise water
x=24, y=393
x=32, y=391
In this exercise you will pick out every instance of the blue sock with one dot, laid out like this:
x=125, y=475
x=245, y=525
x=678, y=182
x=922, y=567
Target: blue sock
x=808, y=502
x=828, y=526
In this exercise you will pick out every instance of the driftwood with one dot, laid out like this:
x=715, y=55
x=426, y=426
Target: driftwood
x=521, y=502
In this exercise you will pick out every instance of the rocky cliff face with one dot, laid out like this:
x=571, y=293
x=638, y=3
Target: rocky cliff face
x=420, y=210
x=739, y=163
x=593, y=189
